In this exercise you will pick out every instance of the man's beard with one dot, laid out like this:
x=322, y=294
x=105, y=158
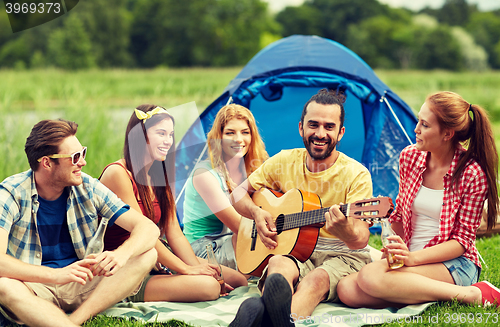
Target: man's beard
x=319, y=155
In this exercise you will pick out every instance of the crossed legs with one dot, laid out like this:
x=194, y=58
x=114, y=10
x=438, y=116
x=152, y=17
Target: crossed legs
x=115, y=288
x=279, y=306
x=28, y=308
x=182, y=288
x=35, y=311
x=376, y=286
x=312, y=289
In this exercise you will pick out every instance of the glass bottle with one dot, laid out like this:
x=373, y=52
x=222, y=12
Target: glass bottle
x=96, y=243
x=212, y=260
x=386, y=232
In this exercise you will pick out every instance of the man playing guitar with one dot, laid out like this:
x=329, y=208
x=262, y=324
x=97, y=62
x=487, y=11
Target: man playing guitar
x=340, y=250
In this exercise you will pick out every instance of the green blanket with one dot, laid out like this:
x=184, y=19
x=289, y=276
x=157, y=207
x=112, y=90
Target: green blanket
x=222, y=311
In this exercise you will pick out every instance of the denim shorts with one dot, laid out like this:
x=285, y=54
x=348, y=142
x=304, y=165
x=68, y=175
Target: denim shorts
x=463, y=271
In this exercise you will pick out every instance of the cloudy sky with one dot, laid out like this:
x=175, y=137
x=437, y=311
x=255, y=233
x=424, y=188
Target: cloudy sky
x=485, y=5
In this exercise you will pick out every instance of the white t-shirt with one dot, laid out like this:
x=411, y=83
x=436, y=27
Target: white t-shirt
x=426, y=211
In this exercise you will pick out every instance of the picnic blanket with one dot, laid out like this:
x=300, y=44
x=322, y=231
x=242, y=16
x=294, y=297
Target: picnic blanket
x=222, y=311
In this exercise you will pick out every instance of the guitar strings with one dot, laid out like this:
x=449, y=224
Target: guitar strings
x=300, y=219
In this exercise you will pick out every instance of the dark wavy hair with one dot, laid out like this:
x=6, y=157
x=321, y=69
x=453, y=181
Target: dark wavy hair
x=326, y=97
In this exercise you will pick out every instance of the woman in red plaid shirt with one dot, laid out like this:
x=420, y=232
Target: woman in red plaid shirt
x=442, y=189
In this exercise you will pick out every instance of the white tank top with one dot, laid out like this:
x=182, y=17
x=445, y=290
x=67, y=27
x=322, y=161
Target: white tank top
x=426, y=211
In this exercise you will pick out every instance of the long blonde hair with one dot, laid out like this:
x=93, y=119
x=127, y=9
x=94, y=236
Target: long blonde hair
x=473, y=129
x=257, y=151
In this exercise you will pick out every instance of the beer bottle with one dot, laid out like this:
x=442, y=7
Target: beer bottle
x=212, y=260
x=96, y=243
x=386, y=232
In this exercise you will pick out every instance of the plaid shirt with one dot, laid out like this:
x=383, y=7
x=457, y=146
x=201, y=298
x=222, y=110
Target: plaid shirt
x=19, y=205
x=462, y=208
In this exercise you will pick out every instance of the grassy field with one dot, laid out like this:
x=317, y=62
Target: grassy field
x=101, y=102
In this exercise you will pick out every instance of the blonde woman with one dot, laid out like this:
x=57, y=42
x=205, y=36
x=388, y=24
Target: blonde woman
x=236, y=150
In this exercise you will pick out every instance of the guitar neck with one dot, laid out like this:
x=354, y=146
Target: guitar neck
x=312, y=217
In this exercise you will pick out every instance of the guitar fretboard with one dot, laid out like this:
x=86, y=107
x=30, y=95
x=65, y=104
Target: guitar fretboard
x=300, y=219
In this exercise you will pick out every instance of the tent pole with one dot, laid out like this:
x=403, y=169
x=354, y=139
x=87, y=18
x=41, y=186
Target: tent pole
x=383, y=98
x=197, y=161
x=229, y=101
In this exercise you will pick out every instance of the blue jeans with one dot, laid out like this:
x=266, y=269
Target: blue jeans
x=463, y=271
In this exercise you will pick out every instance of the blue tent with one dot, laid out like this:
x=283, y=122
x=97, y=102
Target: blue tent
x=276, y=84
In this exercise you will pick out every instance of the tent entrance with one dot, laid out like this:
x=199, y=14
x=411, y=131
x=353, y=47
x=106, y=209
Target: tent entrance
x=277, y=104
x=271, y=117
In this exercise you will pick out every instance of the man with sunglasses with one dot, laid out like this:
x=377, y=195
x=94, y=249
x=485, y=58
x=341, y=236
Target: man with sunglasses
x=48, y=214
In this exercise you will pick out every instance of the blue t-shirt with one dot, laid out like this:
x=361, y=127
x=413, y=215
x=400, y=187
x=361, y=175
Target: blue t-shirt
x=57, y=247
x=58, y=250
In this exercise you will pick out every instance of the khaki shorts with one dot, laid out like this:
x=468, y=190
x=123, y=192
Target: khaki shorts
x=337, y=265
x=67, y=297
x=139, y=295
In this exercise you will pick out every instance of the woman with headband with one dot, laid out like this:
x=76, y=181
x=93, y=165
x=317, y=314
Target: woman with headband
x=141, y=179
x=444, y=180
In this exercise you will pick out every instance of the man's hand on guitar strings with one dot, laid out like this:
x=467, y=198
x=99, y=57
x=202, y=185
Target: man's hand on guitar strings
x=266, y=228
x=338, y=224
x=353, y=232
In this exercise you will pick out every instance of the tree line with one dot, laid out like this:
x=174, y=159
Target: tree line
x=172, y=33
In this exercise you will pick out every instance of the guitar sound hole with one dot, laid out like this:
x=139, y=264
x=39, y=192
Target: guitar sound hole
x=280, y=223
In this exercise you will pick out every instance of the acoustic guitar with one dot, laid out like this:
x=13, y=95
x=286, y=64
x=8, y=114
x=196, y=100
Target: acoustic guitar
x=298, y=218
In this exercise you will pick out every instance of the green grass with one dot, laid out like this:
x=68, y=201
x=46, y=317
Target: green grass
x=101, y=102
x=414, y=86
x=51, y=89
x=102, y=321
x=477, y=88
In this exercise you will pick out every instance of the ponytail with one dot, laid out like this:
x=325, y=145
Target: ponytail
x=481, y=147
